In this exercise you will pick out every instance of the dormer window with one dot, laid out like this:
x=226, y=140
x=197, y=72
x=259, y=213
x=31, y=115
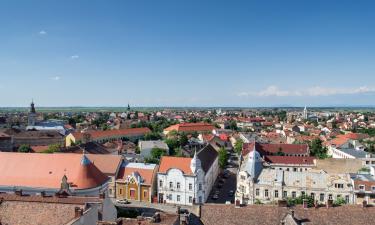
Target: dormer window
x=361, y=187
x=373, y=188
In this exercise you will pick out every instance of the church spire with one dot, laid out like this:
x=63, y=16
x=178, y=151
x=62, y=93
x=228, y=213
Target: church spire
x=195, y=163
x=32, y=106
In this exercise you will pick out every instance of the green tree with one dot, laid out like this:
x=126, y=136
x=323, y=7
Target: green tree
x=152, y=136
x=317, y=149
x=52, y=148
x=157, y=153
x=339, y=201
x=183, y=139
x=223, y=157
x=238, y=146
x=24, y=148
x=280, y=152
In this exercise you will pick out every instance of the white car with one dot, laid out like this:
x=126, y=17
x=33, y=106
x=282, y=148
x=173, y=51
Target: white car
x=122, y=201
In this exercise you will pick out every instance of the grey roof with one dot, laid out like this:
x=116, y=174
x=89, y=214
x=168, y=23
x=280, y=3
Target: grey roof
x=207, y=156
x=152, y=144
x=354, y=153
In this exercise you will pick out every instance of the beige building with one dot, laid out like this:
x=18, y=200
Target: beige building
x=258, y=184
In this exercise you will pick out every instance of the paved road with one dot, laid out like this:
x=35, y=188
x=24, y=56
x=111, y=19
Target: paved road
x=229, y=184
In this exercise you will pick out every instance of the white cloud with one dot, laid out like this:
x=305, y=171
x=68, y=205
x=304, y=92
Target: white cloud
x=74, y=56
x=56, y=78
x=273, y=90
x=42, y=32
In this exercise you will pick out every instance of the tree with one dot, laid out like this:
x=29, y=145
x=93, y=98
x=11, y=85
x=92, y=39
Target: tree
x=152, y=136
x=183, y=139
x=339, y=201
x=317, y=149
x=280, y=152
x=157, y=153
x=238, y=146
x=52, y=148
x=223, y=157
x=24, y=148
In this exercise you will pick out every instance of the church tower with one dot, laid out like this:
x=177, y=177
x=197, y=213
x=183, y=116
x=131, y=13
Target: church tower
x=32, y=115
x=305, y=113
x=195, y=163
x=254, y=164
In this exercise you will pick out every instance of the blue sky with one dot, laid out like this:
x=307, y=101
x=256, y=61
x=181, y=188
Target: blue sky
x=187, y=53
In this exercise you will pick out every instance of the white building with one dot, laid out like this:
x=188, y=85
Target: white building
x=185, y=181
x=268, y=185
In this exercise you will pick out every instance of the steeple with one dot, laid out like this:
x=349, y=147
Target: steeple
x=254, y=164
x=305, y=116
x=128, y=107
x=32, y=107
x=195, y=163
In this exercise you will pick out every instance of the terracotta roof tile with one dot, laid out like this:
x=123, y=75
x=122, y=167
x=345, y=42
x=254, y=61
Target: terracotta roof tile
x=169, y=162
x=114, y=133
x=47, y=170
x=190, y=127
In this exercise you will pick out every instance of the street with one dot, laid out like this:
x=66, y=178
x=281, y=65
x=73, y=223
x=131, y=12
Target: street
x=225, y=183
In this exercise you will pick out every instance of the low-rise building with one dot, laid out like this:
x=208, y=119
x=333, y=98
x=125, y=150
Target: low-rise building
x=185, y=181
x=190, y=128
x=107, y=135
x=137, y=181
x=33, y=173
x=364, y=187
x=258, y=184
x=20, y=209
x=145, y=147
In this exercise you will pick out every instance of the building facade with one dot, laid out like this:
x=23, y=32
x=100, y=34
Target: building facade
x=256, y=183
x=136, y=181
x=185, y=181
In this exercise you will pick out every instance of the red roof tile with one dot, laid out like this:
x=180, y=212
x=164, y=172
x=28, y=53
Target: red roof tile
x=290, y=160
x=114, y=133
x=170, y=162
x=190, y=127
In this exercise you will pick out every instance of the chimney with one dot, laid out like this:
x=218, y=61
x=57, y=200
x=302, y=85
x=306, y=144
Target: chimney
x=364, y=204
x=329, y=203
x=18, y=192
x=282, y=203
x=78, y=212
x=305, y=204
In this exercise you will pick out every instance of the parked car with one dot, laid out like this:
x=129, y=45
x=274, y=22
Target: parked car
x=215, y=197
x=122, y=201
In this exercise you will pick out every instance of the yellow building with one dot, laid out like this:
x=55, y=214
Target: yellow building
x=136, y=181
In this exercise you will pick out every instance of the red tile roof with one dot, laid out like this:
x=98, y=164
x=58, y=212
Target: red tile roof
x=170, y=162
x=190, y=127
x=39, y=148
x=266, y=149
x=296, y=160
x=146, y=174
x=114, y=133
x=47, y=170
